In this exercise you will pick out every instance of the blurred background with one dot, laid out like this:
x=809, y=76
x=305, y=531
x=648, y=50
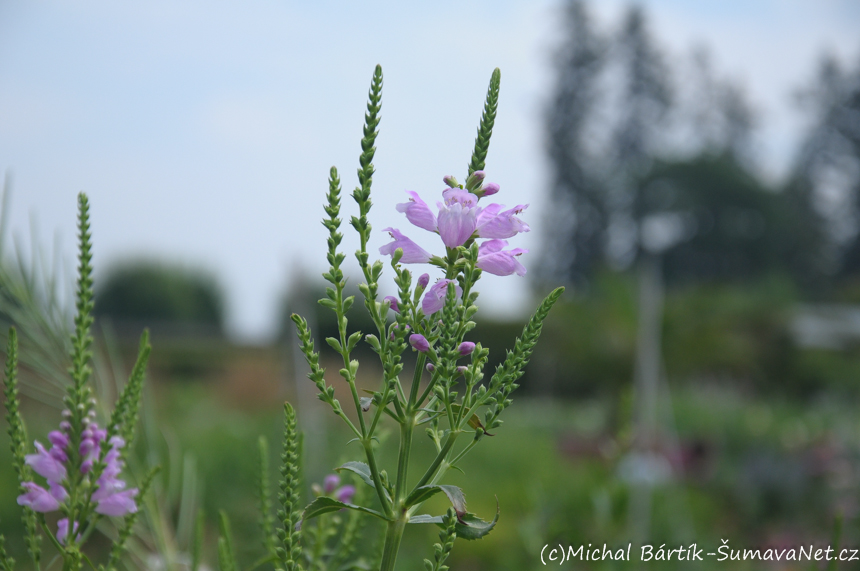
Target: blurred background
x=693, y=175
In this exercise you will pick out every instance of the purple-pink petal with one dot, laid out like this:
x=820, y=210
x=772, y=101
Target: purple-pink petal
x=45, y=464
x=434, y=299
x=417, y=212
x=118, y=504
x=331, y=482
x=494, y=260
x=345, y=493
x=58, y=492
x=423, y=280
x=412, y=252
x=503, y=224
x=459, y=196
x=37, y=498
x=456, y=223
x=58, y=439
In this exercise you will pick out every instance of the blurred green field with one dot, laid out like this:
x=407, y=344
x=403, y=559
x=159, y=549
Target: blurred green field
x=757, y=471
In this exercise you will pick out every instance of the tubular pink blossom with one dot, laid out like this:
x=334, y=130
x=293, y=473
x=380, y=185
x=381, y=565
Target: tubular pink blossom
x=419, y=342
x=499, y=225
x=417, y=212
x=118, y=504
x=37, y=498
x=456, y=223
x=434, y=299
x=423, y=280
x=493, y=259
x=45, y=464
x=412, y=252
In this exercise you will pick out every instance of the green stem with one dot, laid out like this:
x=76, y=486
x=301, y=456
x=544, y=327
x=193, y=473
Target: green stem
x=416, y=380
x=377, y=479
x=406, y=430
x=449, y=443
x=393, y=535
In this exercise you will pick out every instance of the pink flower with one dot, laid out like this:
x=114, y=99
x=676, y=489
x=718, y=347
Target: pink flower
x=493, y=259
x=330, y=483
x=47, y=465
x=345, y=494
x=458, y=216
x=494, y=224
x=37, y=498
x=434, y=299
x=118, y=504
x=417, y=212
x=412, y=252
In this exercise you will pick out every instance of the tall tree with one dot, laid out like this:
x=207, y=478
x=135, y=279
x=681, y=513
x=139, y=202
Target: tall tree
x=644, y=105
x=578, y=218
x=826, y=174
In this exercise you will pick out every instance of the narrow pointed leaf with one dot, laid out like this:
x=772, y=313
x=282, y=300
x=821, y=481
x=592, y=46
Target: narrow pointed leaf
x=324, y=504
x=455, y=495
x=363, y=472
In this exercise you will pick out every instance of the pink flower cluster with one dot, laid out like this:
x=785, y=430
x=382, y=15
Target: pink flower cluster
x=342, y=494
x=459, y=219
x=110, y=496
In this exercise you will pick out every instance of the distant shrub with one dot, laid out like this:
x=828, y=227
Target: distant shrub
x=162, y=296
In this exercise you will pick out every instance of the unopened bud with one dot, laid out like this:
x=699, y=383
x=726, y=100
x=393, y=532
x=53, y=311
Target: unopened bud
x=466, y=348
x=419, y=342
x=489, y=189
x=392, y=303
x=450, y=181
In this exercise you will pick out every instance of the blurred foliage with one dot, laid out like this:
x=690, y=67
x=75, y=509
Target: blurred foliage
x=167, y=297
x=738, y=333
x=730, y=226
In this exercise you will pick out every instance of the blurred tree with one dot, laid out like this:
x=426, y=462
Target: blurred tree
x=826, y=173
x=724, y=224
x=643, y=105
x=578, y=217
x=161, y=296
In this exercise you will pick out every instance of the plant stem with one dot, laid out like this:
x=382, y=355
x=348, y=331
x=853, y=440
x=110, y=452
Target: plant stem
x=393, y=535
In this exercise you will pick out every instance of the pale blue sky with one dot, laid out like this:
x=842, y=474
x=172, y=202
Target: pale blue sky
x=203, y=131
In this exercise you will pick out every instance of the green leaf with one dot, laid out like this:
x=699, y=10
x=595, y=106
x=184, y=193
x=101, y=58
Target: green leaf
x=324, y=504
x=468, y=527
x=455, y=495
x=363, y=472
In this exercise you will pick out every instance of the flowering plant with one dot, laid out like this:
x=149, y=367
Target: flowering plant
x=447, y=397
x=82, y=467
